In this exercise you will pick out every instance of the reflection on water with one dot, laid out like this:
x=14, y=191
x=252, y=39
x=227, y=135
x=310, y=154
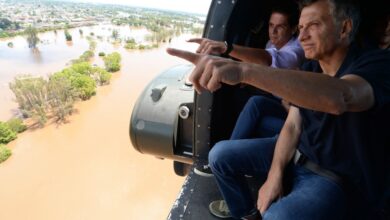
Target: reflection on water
x=36, y=55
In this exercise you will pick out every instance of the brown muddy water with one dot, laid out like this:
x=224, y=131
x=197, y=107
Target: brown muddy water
x=87, y=169
x=53, y=54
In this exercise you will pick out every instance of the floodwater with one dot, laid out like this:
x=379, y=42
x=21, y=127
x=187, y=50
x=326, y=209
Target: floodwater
x=87, y=169
x=53, y=54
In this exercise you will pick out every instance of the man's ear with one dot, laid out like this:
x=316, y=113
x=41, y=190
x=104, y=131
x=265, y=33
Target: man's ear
x=346, y=29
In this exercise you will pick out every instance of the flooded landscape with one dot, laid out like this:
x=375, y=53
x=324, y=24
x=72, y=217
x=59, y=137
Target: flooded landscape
x=53, y=54
x=85, y=168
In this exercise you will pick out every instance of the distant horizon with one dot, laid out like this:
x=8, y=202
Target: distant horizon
x=189, y=6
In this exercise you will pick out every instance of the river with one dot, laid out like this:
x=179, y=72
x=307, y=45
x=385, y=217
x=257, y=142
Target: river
x=87, y=168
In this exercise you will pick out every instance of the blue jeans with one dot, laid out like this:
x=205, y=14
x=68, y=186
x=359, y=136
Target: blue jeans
x=312, y=196
x=260, y=117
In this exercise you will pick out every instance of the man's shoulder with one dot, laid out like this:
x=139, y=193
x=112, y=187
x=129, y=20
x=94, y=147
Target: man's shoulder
x=373, y=61
x=373, y=55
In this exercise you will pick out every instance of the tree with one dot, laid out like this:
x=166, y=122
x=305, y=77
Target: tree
x=115, y=34
x=68, y=37
x=31, y=95
x=61, y=97
x=101, y=76
x=112, y=62
x=32, y=37
x=83, y=68
x=83, y=84
x=5, y=23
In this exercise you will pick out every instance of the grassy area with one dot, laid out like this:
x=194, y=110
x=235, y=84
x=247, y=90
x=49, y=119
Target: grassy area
x=5, y=153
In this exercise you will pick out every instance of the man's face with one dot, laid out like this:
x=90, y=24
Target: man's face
x=317, y=31
x=384, y=34
x=279, y=30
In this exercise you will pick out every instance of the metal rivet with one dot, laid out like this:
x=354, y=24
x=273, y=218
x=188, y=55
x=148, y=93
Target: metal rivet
x=211, y=26
x=184, y=112
x=233, y=2
x=198, y=126
x=140, y=125
x=199, y=109
x=219, y=2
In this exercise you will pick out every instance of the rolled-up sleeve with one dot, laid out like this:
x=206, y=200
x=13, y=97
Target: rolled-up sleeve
x=286, y=58
x=374, y=67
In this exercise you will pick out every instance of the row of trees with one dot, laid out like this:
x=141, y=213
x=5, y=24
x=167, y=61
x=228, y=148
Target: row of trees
x=33, y=39
x=41, y=98
x=54, y=97
x=163, y=25
x=135, y=46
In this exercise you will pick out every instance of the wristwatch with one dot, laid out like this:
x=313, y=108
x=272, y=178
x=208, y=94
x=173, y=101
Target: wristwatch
x=229, y=48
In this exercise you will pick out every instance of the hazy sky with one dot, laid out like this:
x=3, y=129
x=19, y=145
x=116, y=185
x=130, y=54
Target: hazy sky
x=197, y=6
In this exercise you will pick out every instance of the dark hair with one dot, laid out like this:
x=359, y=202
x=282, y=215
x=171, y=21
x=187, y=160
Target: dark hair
x=341, y=10
x=288, y=8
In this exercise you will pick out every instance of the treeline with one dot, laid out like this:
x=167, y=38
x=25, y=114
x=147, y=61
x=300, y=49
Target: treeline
x=162, y=25
x=5, y=33
x=132, y=45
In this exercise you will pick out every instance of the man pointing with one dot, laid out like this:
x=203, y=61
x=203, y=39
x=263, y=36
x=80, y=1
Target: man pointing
x=335, y=128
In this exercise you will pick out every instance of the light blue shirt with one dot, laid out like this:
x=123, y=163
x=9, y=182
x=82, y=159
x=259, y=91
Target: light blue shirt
x=290, y=56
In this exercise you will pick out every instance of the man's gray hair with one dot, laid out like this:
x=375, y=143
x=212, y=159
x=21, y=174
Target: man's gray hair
x=341, y=10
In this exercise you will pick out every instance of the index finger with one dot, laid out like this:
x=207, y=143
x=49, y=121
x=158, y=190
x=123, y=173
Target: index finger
x=192, y=57
x=195, y=40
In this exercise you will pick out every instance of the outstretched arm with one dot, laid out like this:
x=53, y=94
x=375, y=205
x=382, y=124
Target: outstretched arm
x=313, y=91
x=245, y=54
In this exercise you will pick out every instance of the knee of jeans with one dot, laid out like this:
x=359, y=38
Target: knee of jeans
x=276, y=214
x=255, y=100
x=218, y=154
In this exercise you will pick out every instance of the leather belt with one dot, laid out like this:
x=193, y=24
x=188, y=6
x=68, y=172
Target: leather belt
x=301, y=160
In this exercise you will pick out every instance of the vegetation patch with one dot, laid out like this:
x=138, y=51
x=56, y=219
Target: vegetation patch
x=79, y=80
x=6, y=133
x=68, y=36
x=112, y=62
x=31, y=94
x=16, y=125
x=5, y=153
